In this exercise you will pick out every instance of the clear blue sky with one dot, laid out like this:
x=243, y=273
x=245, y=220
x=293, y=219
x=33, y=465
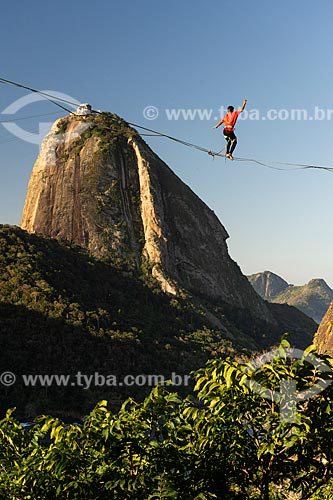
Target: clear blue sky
x=125, y=56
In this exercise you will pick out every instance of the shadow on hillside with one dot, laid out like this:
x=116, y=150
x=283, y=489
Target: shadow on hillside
x=64, y=312
x=33, y=344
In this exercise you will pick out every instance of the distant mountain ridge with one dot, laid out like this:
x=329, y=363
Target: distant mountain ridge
x=313, y=298
x=267, y=284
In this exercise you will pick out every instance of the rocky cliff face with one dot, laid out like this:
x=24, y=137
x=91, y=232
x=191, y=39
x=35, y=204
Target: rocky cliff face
x=324, y=336
x=96, y=183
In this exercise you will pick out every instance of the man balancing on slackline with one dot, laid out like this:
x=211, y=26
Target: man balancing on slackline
x=229, y=121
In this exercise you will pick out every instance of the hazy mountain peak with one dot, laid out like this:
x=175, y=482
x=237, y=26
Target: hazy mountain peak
x=312, y=298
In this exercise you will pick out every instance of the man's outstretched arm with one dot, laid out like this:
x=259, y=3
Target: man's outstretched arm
x=219, y=123
x=243, y=106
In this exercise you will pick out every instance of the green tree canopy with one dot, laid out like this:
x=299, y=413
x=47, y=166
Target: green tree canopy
x=229, y=440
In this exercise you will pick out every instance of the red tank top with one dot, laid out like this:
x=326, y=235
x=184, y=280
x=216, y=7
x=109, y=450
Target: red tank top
x=230, y=120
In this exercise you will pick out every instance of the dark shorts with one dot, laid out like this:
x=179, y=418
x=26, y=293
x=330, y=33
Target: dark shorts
x=229, y=135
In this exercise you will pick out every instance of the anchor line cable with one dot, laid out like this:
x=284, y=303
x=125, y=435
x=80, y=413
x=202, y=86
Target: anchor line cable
x=268, y=164
x=48, y=97
x=297, y=166
x=28, y=117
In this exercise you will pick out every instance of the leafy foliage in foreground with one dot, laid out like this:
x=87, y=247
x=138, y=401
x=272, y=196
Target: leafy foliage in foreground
x=227, y=443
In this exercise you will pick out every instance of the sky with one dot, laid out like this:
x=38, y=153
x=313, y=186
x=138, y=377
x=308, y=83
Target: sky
x=140, y=58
